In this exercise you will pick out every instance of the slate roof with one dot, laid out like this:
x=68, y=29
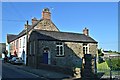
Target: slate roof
x=63, y=36
x=23, y=32
x=10, y=37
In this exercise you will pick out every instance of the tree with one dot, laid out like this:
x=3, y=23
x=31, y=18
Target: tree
x=100, y=52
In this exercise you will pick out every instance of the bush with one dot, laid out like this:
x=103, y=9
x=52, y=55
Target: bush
x=114, y=63
x=100, y=52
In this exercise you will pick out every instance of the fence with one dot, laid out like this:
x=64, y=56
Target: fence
x=107, y=73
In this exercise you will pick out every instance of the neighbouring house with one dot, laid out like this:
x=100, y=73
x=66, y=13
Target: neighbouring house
x=48, y=45
x=2, y=47
x=108, y=54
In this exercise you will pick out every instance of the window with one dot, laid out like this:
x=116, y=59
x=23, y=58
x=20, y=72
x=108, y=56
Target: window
x=20, y=43
x=60, y=49
x=23, y=42
x=85, y=49
x=17, y=44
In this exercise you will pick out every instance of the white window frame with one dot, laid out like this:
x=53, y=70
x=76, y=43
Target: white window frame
x=20, y=43
x=59, y=45
x=86, y=46
x=16, y=44
x=23, y=42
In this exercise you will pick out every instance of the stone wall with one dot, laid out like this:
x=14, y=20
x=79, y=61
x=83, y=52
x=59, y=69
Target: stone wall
x=72, y=50
x=93, y=48
x=73, y=53
x=46, y=25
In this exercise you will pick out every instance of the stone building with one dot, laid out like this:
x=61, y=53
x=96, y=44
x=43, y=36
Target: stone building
x=48, y=45
x=59, y=48
x=18, y=43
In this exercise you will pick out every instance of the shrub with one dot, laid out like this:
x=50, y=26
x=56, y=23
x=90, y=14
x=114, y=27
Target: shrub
x=114, y=63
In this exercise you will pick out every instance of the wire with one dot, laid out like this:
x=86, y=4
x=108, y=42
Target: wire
x=13, y=20
x=16, y=10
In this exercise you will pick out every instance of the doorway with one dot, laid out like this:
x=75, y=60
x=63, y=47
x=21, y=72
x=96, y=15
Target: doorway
x=46, y=56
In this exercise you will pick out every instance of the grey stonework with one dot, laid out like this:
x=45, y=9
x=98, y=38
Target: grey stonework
x=73, y=53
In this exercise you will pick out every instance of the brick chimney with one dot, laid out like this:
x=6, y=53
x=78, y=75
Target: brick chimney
x=86, y=31
x=46, y=14
x=34, y=20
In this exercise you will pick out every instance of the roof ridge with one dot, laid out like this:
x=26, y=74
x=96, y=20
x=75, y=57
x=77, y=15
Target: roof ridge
x=64, y=36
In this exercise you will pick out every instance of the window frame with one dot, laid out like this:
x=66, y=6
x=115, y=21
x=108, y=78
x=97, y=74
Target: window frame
x=85, y=48
x=23, y=42
x=16, y=44
x=59, y=50
x=20, y=43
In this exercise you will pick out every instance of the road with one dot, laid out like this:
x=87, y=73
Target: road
x=11, y=72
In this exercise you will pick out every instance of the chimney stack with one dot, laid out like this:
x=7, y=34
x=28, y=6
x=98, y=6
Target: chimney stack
x=86, y=31
x=34, y=20
x=46, y=14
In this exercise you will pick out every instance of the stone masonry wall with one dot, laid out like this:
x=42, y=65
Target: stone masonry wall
x=73, y=53
x=93, y=48
x=46, y=25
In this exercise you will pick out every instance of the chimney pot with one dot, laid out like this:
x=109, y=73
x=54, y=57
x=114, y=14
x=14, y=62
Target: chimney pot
x=46, y=14
x=86, y=31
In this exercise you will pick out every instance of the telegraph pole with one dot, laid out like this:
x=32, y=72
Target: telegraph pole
x=27, y=44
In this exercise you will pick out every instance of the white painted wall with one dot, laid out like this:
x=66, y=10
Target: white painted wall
x=21, y=46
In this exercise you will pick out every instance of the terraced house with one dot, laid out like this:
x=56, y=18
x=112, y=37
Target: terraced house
x=48, y=45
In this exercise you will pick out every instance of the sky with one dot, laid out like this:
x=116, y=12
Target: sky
x=101, y=18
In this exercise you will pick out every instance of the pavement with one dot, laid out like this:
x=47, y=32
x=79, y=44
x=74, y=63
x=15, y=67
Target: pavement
x=48, y=75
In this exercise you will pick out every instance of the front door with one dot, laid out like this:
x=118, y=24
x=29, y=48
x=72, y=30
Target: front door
x=46, y=56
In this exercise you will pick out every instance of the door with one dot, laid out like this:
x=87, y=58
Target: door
x=46, y=56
